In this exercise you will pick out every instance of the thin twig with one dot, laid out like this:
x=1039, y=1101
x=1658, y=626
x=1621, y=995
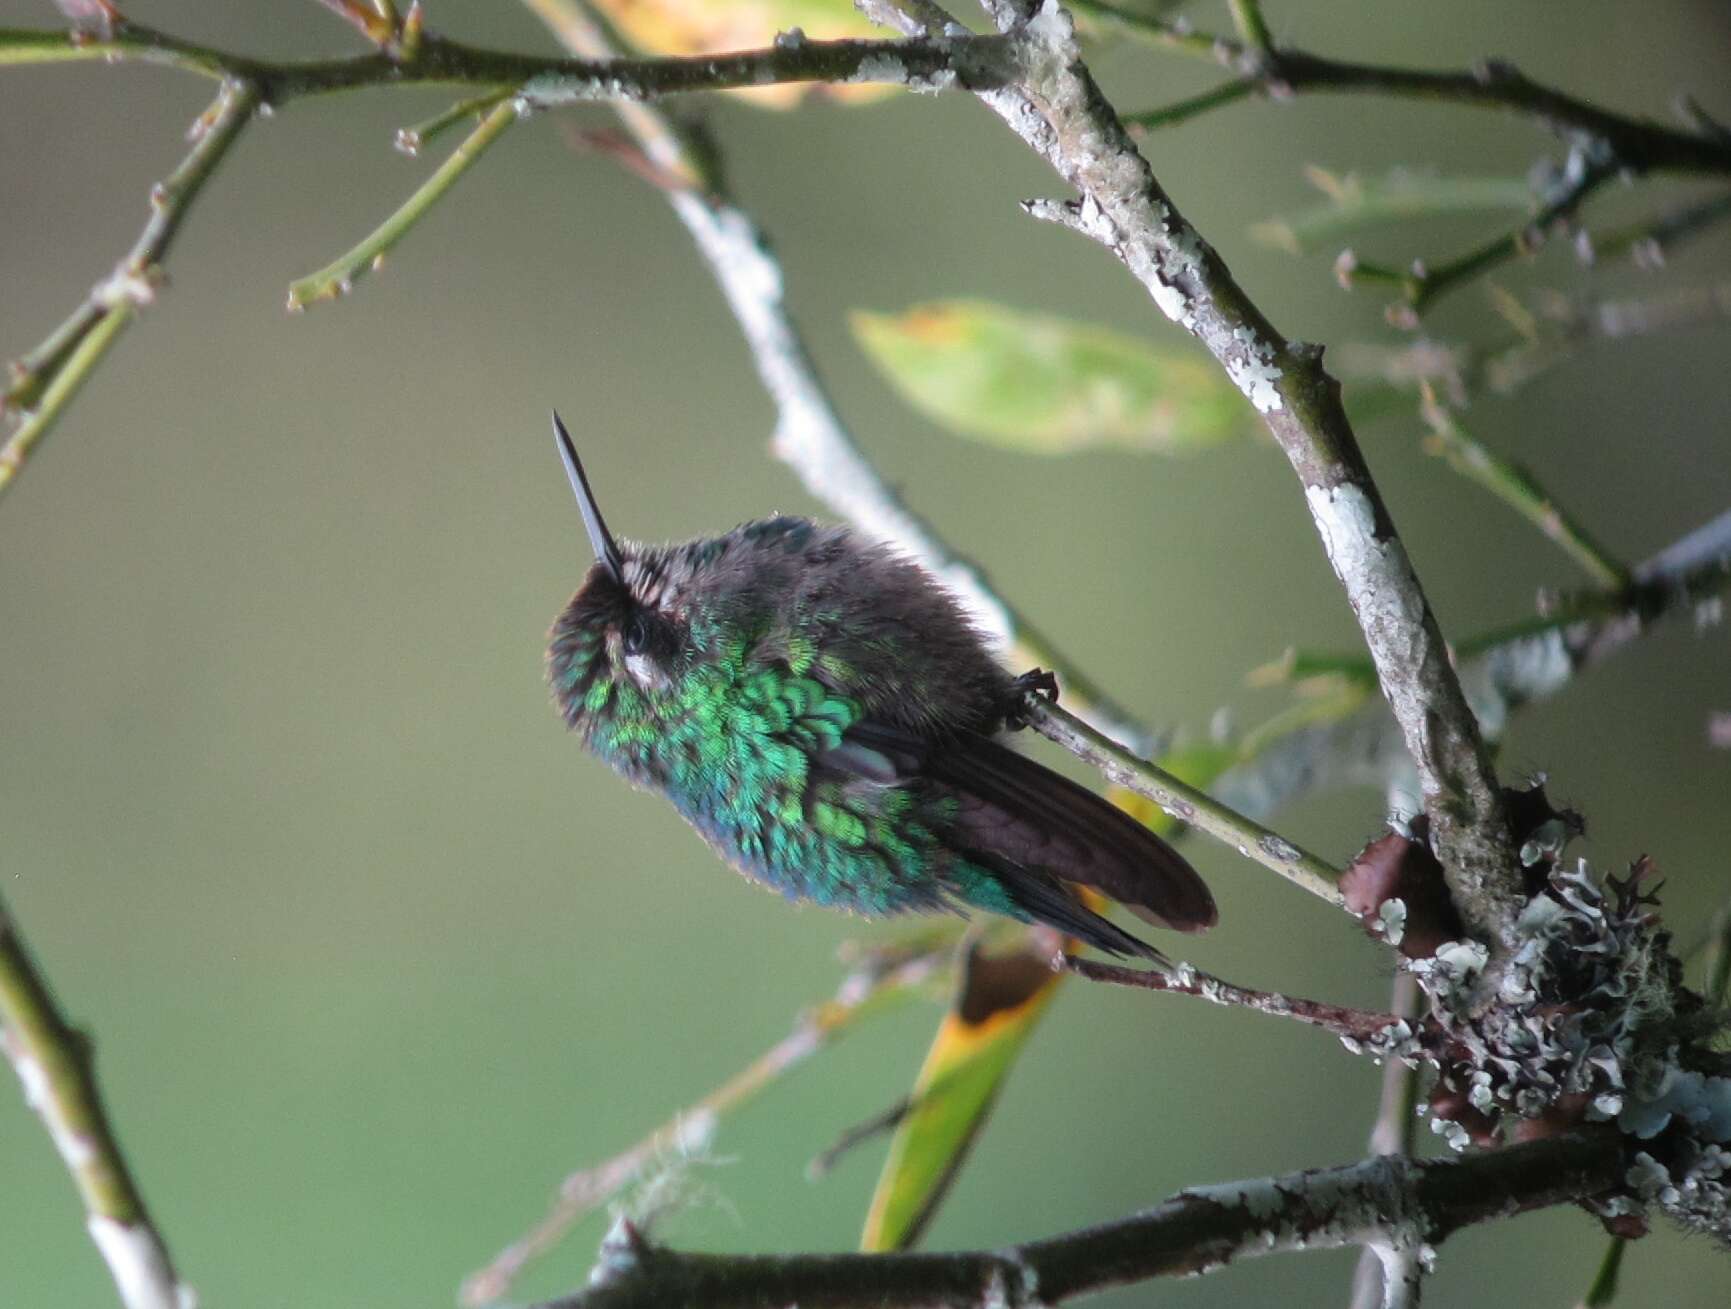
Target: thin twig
x=44, y=381
x=339, y=277
x=1648, y=241
x=1603, y=1289
x=1642, y=145
x=1589, y=168
x=54, y=1063
x=863, y=994
x=1359, y=1025
x=1252, y=27
x=1180, y=111
x=1184, y=802
x=1517, y=487
x=411, y=140
x=1396, y=1200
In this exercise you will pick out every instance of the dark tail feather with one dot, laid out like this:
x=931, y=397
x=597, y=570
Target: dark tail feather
x=1045, y=900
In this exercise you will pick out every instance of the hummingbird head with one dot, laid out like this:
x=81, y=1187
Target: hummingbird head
x=620, y=642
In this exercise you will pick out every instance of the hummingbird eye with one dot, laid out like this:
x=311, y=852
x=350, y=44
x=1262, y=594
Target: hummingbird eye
x=637, y=635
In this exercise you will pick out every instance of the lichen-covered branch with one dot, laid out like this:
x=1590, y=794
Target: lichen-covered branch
x=1059, y=111
x=1396, y=1201
x=53, y=1061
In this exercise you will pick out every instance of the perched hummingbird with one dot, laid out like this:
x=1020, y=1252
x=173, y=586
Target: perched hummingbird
x=821, y=710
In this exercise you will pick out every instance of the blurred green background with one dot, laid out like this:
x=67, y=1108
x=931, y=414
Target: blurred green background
x=374, y=954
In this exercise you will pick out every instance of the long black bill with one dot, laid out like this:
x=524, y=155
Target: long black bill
x=599, y=537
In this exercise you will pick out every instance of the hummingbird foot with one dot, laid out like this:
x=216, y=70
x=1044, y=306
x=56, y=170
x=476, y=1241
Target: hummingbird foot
x=1034, y=682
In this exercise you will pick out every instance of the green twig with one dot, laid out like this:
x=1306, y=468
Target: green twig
x=411, y=140
x=1252, y=28
x=1184, y=802
x=1651, y=239
x=46, y=379
x=1517, y=488
x=1179, y=111
x=338, y=278
x=1174, y=34
x=1585, y=177
x=1604, y=1287
x=54, y=1065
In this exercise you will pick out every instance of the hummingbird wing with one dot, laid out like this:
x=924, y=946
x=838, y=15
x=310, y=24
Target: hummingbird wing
x=1030, y=826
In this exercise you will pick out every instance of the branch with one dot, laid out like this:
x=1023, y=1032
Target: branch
x=1185, y=802
x=54, y=1064
x=1395, y=1200
x=810, y=435
x=44, y=381
x=1641, y=145
x=961, y=62
x=1589, y=168
x=1073, y=127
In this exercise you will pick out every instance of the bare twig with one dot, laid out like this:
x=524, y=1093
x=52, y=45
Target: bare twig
x=1181, y=111
x=338, y=278
x=44, y=381
x=865, y=992
x=1589, y=167
x=1643, y=145
x=54, y=1063
x=1357, y=1025
x=1252, y=29
x=1185, y=802
x=1517, y=487
x=1395, y=1200
x=1603, y=1289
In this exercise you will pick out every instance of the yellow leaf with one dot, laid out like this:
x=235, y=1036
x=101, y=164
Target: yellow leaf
x=997, y=1003
x=706, y=27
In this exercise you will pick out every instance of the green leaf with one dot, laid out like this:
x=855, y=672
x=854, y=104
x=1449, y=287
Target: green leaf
x=1355, y=204
x=998, y=1002
x=1049, y=385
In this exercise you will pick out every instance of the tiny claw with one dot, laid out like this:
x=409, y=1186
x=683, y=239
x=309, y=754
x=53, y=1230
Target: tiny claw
x=1034, y=682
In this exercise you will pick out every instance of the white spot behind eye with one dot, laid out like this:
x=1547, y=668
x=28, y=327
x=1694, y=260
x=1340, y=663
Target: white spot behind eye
x=642, y=669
